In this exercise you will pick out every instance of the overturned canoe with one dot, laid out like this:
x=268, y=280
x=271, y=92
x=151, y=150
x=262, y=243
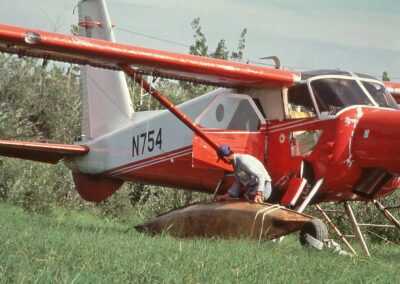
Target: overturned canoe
x=228, y=219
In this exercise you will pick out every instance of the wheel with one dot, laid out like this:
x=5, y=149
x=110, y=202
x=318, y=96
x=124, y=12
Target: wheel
x=316, y=228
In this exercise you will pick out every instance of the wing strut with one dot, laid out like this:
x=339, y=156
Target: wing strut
x=169, y=105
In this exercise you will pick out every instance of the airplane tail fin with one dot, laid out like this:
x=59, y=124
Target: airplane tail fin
x=107, y=105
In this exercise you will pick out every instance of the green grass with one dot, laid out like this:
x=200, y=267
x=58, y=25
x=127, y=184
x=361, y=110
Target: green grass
x=80, y=248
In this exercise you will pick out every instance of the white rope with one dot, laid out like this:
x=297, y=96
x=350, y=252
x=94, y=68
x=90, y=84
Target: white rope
x=262, y=223
x=264, y=211
x=255, y=218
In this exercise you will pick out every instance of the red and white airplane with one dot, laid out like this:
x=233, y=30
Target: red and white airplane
x=322, y=135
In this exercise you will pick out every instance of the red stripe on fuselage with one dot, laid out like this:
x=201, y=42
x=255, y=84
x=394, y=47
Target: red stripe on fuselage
x=150, y=161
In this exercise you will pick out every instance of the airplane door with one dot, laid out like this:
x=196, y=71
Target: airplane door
x=230, y=119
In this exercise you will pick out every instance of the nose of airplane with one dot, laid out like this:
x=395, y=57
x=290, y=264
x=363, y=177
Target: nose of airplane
x=376, y=140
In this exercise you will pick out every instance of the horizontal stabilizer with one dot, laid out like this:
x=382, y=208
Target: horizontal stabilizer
x=110, y=55
x=40, y=152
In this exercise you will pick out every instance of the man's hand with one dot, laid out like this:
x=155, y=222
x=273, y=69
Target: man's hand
x=259, y=197
x=223, y=197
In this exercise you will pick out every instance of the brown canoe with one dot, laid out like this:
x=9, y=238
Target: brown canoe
x=228, y=219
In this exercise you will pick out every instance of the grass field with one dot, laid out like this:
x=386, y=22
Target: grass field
x=80, y=248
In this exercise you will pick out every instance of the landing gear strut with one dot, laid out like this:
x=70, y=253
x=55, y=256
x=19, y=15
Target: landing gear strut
x=356, y=229
x=386, y=213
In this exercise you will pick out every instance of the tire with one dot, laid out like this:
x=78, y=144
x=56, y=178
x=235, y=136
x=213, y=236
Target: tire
x=316, y=228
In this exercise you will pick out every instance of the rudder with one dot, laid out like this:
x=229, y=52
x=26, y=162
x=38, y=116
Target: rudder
x=107, y=105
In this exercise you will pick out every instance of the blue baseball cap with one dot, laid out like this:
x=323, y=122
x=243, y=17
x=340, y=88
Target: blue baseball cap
x=224, y=151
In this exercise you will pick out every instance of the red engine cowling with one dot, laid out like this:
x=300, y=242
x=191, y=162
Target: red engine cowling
x=376, y=141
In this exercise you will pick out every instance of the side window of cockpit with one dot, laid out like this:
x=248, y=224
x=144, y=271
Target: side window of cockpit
x=244, y=118
x=300, y=104
x=233, y=112
x=379, y=93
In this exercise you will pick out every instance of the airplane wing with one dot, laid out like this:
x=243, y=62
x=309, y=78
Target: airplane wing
x=394, y=89
x=40, y=152
x=104, y=54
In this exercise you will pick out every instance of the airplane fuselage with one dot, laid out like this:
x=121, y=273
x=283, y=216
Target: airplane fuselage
x=159, y=149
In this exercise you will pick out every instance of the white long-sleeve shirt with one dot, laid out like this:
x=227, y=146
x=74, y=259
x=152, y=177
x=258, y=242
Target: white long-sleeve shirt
x=249, y=171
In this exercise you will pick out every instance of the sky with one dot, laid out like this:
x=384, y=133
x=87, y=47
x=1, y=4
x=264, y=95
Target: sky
x=357, y=35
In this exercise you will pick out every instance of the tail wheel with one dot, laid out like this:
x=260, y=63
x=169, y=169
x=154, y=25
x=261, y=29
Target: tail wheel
x=315, y=228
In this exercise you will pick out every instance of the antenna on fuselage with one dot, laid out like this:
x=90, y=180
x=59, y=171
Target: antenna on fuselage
x=276, y=60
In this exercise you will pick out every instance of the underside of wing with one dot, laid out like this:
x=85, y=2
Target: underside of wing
x=104, y=54
x=40, y=152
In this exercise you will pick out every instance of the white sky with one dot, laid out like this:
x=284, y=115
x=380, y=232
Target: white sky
x=357, y=35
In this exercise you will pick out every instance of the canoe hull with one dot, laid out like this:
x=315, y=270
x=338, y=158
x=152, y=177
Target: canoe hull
x=228, y=219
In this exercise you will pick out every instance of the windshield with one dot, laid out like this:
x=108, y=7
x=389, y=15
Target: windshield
x=334, y=94
x=380, y=94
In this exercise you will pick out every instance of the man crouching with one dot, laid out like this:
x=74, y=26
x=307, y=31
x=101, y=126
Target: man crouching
x=249, y=173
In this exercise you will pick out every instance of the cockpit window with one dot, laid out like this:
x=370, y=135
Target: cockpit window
x=379, y=93
x=300, y=104
x=333, y=94
x=231, y=112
